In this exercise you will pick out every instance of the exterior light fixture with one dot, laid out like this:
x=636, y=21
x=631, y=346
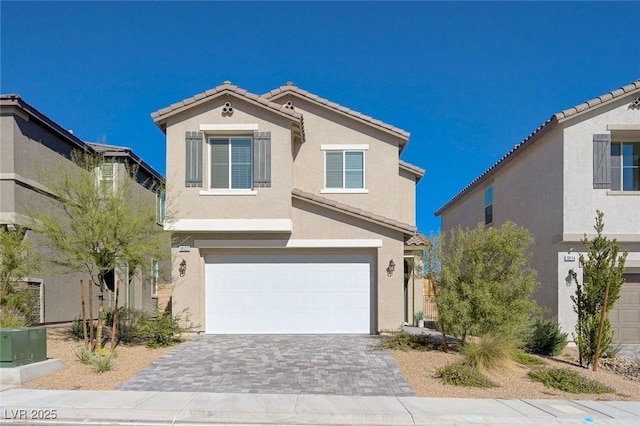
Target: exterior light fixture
x=571, y=276
x=183, y=267
x=391, y=268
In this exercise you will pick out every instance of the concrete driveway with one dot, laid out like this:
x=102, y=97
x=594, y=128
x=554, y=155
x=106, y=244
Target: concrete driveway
x=294, y=364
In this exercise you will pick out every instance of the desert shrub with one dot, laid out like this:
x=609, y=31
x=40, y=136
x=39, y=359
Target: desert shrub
x=129, y=322
x=12, y=318
x=101, y=362
x=491, y=352
x=85, y=355
x=403, y=341
x=524, y=358
x=612, y=350
x=568, y=381
x=163, y=330
x=546, y=338
x=463, y=375
x=78, y=332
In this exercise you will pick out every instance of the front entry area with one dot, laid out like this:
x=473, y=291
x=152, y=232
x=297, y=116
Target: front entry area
x=288, y=293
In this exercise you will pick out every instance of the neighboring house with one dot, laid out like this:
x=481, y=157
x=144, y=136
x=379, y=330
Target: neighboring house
x=30, y=143
x=582, y=159
x=291, y=214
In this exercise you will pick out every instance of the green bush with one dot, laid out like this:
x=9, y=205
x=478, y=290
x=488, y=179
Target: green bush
x=101, y=363
x=491, y=352
x=568, y=381
x=524, y=358
x=403, y=341
x=129, y=322
x=463, y=375
x=85, y=355
x=612, y=351
x=12, y=318
x=164, y=330
x=77, y=330
x=546, y=338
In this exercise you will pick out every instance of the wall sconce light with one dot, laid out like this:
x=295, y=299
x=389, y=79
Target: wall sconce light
x=391, y=268
x=571, y=276
x=183, y=267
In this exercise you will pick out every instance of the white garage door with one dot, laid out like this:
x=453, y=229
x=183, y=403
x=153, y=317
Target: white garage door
x=287, y=293
x=625, y=315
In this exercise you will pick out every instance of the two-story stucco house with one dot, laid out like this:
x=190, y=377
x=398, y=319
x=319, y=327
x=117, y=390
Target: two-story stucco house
x=31, y=145
x=582, y=159
x=291, y=214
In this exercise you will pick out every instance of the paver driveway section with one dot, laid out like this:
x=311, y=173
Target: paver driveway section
x=321, y=364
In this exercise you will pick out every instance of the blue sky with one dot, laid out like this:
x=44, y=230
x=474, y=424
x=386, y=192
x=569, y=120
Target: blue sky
x=468, y=80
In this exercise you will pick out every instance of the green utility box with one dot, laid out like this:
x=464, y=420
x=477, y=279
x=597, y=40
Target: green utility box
x=21, y=346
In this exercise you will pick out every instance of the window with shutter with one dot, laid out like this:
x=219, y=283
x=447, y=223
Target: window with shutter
x=488, y=205
x=231, y=163
x=261, y=159
x=625, y=166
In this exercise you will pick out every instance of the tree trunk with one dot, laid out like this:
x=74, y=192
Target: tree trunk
x=435, y=296
x=114, y=325
x=91, y=337
x=84, y=316
x=603, y=316
x=100, y=316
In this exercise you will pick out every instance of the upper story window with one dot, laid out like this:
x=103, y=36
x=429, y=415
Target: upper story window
x=154, y=277
x=625, y=166
x=106, y=178
x=344, y=168
x=488, y=205
x=230, y=163
x=161, y=203
x=237, y=162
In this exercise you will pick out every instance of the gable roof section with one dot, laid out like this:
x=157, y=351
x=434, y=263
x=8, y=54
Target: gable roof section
x=226, y=88
x=353, y=211
x=418, y=172
x=290, y=88
x=552, y=122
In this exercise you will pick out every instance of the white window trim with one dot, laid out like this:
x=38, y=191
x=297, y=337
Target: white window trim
x=227, y=191
x=220, y=191
x=229, y=129
x=344, y=190
x=114, y=181
x=344, y=147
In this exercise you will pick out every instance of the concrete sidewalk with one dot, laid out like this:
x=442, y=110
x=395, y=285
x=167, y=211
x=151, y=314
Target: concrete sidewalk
x=182, y=408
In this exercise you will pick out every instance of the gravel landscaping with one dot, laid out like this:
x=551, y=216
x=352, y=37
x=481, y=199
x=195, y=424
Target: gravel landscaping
x=418, y=367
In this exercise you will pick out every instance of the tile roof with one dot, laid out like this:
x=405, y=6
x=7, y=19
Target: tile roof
x=291, y=88
x=416, y=240
x=553, y=121
x=418, y=171
x=353, y=211
x=226, y=87
x=123, y=151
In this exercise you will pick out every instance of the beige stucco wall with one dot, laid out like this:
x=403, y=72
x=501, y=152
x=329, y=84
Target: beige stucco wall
x=527, y=191
x=382, y=177
x=269, y=203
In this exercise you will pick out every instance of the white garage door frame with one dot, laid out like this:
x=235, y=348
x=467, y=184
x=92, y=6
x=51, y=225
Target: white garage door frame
x=289, y=292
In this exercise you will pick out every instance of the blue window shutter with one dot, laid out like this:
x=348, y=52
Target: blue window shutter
x=261, y=159
x=193, y=159
x=601, y=161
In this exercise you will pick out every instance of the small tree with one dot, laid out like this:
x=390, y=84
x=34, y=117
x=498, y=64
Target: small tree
x=485, y=284
x=603, y=268
x=95, y=228
x=17, y=261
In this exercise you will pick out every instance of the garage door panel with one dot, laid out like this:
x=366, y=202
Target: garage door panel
x=625, y=316
x=260, y=294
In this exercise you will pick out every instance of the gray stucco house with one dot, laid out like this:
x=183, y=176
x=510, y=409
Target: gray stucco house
x=30, y=143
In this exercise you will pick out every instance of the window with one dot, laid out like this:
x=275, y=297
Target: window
x=344, y=169
x=106, y=178
x=230, y=163
x=488, y=205
x=625, y=166
x=154, y=278
x=161, y=201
